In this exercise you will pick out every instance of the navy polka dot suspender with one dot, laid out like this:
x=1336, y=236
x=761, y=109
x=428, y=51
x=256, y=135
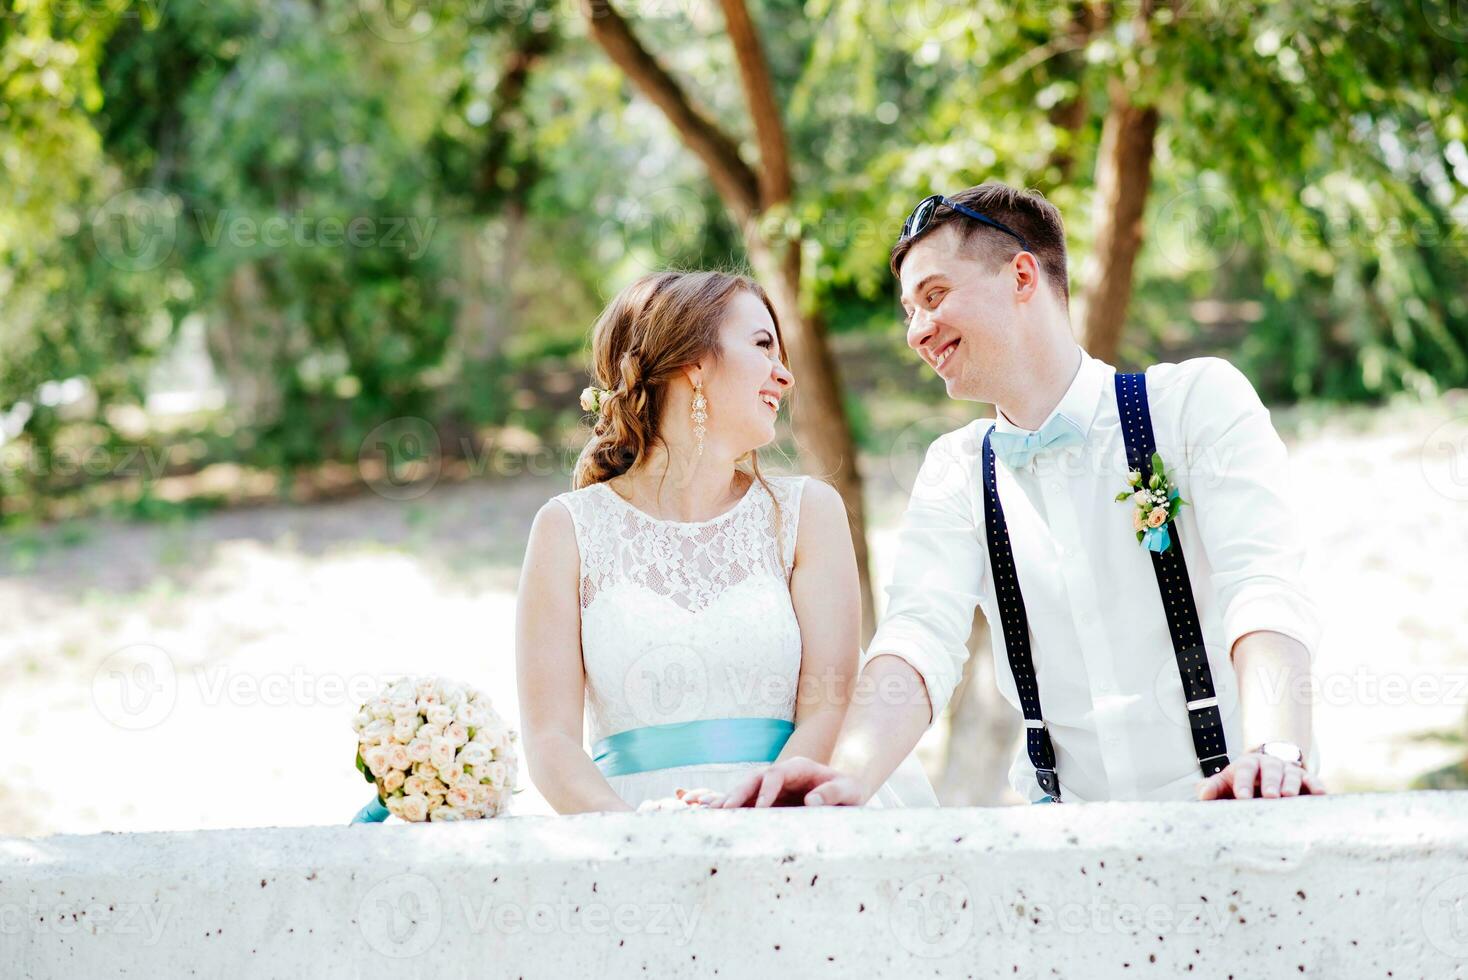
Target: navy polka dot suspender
x=1174, y=588
x=1016, y=626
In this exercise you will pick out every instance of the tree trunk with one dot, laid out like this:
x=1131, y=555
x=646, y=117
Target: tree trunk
x=489, y=257
x=1123, y=179
x=245, y=341
x=1069, y=116
x=983, y=731
x=822, y=430
x=817, y=412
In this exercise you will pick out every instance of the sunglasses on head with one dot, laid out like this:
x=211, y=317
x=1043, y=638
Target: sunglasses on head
x=922, y=217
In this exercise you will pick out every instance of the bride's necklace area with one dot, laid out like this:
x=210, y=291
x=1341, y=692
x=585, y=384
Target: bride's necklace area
x=736, y=495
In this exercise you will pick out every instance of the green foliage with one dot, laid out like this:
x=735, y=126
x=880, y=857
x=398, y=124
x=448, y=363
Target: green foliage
x=374, y=219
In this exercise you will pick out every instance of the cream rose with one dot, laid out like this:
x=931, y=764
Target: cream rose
x=414, y=807
x=393, y=781
x=1158, y=517
x=397, y=756
x=441, y=752
x=454, y=693
x=375, y=758
x=474, y=754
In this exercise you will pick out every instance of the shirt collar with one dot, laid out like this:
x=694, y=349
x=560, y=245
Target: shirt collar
x=1078, y=403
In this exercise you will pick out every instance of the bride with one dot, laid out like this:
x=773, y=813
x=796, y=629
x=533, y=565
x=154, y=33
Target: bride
x=705, y=617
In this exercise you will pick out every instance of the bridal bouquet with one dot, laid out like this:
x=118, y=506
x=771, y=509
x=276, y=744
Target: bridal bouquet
x=436, y=750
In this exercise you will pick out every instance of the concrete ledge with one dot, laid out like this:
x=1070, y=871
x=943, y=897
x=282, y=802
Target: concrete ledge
x=1338, y=887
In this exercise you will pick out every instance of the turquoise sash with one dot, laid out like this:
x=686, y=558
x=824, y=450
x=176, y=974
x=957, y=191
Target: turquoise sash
x=691, y=743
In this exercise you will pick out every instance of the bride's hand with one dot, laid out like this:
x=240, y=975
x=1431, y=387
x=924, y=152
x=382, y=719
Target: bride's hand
x=686, y=799
x=701, y=797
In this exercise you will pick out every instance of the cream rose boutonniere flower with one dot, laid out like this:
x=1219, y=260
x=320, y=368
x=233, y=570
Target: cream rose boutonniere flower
x=1155, y=503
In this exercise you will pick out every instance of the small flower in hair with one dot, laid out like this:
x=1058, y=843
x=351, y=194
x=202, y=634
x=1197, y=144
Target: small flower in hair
x=592, y=397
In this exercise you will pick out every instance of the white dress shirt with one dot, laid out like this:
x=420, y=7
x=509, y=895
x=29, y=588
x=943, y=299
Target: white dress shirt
x=1109, y=686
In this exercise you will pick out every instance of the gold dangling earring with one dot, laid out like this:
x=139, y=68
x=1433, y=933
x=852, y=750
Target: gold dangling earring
x=700, y=414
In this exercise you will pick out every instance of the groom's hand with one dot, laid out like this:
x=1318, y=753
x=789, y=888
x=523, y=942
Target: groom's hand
x=1258, y=775
x=796, y=781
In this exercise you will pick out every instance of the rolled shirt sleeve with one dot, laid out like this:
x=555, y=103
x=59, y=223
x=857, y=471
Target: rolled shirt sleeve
x=939, y=568
x=1239, y=487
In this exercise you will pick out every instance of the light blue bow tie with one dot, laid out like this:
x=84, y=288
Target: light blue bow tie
x=1016, y=450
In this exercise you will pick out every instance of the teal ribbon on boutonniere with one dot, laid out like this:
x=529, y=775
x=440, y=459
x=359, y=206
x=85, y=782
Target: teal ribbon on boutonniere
x=1155, y=504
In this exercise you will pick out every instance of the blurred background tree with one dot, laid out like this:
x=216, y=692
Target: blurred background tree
x=366, y=210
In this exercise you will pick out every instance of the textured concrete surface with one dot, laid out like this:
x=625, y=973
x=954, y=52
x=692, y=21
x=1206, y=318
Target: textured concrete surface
x=1338, y=887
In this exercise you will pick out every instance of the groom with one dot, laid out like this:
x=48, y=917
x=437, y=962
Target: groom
x=1149, y=619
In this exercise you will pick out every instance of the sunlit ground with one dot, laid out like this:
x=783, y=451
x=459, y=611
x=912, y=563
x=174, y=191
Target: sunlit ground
x=203, y=674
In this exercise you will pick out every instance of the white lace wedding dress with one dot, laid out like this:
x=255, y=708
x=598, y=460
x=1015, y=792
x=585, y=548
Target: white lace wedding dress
x=686, y=621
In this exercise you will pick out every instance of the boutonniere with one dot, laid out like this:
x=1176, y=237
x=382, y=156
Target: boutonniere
x=1154, y=505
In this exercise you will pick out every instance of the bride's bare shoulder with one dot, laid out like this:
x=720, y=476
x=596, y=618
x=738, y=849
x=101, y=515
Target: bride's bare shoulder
x=822, y=513
x=553, y=531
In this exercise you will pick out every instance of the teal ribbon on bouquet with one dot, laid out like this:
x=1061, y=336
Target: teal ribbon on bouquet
x=709, y=741
x=373, y=812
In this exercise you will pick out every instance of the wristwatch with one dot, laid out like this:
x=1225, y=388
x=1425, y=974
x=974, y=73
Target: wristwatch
x=1283, y=751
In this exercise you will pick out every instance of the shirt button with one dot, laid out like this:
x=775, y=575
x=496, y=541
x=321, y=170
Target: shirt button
x=1054, y=487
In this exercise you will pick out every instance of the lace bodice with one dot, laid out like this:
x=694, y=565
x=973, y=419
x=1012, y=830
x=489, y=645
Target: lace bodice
x=682, y=621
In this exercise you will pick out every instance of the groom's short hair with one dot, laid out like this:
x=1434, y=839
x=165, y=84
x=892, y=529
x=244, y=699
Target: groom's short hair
x=1027, y=212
